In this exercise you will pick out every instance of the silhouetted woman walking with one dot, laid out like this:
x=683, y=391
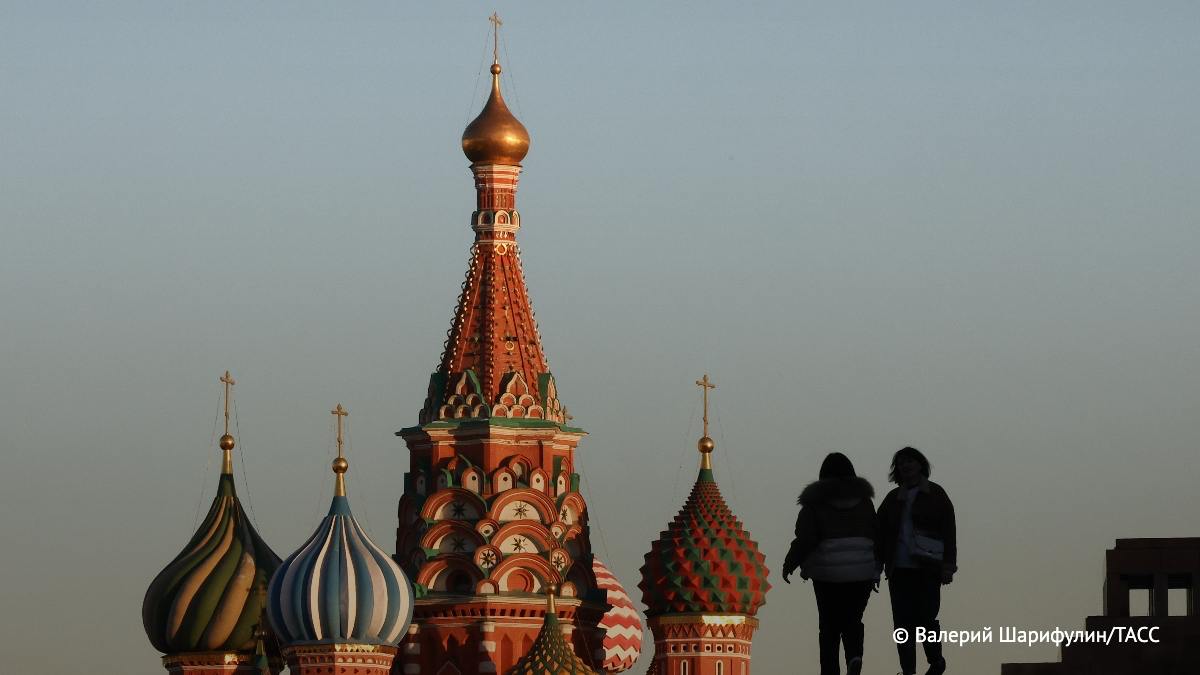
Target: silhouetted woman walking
x=920, y=553
x=835, y=546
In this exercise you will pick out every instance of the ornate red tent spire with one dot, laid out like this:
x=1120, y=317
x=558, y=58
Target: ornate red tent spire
x=493, y=364
x=492, y=514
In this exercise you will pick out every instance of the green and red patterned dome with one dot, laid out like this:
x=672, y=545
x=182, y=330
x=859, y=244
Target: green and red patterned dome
x=550, y=653
x=704, y=562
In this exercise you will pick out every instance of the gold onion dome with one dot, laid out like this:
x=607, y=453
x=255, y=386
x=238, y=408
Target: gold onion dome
x=495, y=136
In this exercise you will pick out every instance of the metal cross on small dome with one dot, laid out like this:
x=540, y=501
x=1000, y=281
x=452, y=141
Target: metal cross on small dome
x=705, y=444
x=227, y=442
x=227, y=380
x=705, y=384
x=340, y=465
x=496, y=23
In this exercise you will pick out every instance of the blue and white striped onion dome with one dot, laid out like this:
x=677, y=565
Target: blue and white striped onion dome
x=340, y=587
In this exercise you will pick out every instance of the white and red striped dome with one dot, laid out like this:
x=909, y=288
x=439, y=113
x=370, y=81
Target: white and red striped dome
x=621, y=624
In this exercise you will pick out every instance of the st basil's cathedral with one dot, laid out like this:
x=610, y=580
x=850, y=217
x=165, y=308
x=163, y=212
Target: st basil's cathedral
x=493, y=569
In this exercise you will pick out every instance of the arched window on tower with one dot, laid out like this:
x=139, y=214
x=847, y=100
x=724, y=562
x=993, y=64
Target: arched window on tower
x=684, y=668
x=720, y=668
x=507, y=660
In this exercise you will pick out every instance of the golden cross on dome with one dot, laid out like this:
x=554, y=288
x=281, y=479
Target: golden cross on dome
x=227, y=442
x=496, y=23
x=705, y=445
x=705, y=384
x=339, y=412
x=226, y=380
x=340, y=465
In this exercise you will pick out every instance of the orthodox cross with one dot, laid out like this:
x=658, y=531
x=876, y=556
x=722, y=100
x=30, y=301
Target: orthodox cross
x=496, y=23
x=705, y=385
x=340, y=412
x=340, y=465
x=227, y=380
x=227, y=442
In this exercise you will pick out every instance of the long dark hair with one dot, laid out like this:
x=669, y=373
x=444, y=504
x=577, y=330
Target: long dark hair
x=837, y=465
x=909, y=453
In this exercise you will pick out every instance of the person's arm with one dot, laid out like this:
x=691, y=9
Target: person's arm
x=873, y=533
x=803, y=544
x=885, y=538
x=876, y=540
x=950, y=539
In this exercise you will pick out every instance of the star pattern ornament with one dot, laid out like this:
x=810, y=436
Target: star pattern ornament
x=518, y=544
x=565, y=515
x=488, y=560
x=521, y=510
x=458, y=509
x=558, y=560
x=457, y=544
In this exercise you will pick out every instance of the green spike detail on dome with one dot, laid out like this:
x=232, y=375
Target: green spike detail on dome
x=705, y=561
x=550, y=654
x=205, y=599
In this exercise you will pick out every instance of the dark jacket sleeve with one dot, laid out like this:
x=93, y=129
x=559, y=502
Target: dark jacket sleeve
x=805, y=541
x=887, y=538
x=876, y=534
x=949, y=535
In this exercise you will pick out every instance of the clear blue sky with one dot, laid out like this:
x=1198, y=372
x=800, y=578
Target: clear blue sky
x=969, y=227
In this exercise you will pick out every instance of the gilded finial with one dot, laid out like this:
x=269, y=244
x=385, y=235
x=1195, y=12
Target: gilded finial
x=706, y=444
x=227, y=442
x=340, y=465
x=495, y=136
x=551, y=591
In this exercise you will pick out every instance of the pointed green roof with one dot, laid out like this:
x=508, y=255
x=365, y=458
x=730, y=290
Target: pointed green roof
x=551, y=654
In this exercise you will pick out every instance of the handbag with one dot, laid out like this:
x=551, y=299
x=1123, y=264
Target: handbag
x=928, y=547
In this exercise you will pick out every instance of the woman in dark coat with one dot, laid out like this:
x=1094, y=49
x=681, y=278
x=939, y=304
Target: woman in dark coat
x=835, y=546
x=920, y=553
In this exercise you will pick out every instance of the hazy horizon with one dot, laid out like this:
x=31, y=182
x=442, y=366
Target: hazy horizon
x=970, y=229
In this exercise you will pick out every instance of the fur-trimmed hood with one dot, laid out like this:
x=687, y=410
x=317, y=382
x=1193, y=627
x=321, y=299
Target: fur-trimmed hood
x=842, y=493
